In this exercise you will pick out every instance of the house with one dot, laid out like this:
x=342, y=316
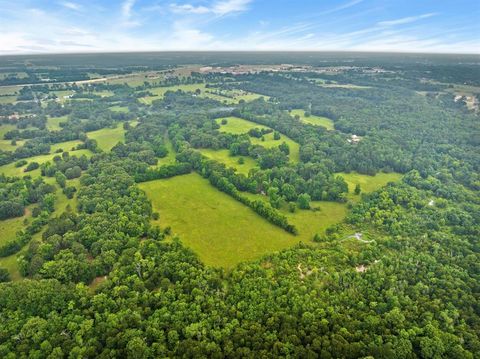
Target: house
x=354, y=139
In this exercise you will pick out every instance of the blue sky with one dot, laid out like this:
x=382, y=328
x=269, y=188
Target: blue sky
x=36, y=26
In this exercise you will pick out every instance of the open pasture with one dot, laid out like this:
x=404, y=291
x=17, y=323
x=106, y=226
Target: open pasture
x=368, y=183
x=313, y=120
x=238, y=126
x=108, y=137
x=224, y=157
x=222, y=231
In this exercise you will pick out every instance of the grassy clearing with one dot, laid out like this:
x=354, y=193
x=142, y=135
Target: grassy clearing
x=222, y=231
x=224, y=157
x=309, y=222
x=230, y=97
x=9, y=90
x=53, y=123
x=238, y=126
x=368, y=183
x=160, y=91
x=6, y=145
x=119, y=109
x=170, y=157
x=313, y=120
x=11, y=170
x=65, y=146
x=8, y=99
x=5, y=128
x=108, y=137
x=9, y=227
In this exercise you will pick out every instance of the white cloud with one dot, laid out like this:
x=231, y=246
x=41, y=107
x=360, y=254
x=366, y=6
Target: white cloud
x=218, y=8
x=188, y=8
x=405, y=20
x=71, y=5
x=127, y=7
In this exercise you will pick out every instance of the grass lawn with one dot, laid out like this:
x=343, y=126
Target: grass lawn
x=223, y=156
x=222, y=231
x=108, y=137
x=238, y=126
x=368, y=183
x=53, y=123
x=313, y=120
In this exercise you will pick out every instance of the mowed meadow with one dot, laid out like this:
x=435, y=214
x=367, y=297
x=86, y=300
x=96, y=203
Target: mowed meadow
x=222, y=231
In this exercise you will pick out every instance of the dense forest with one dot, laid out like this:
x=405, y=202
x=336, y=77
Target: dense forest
x=101, y=273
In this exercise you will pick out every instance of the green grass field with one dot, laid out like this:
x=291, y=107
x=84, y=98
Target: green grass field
x=119, y=109
x=222, y=231
x=5, y=128
x=6, y=145
x=11, y=170
x=8, y=99
x=9, y=90
x=238, y=126
x=108, y=137
x=204, y=92
x=53, y=123
x=309, y=222
x=313, y=120
x=368, y=183
x=223, y=156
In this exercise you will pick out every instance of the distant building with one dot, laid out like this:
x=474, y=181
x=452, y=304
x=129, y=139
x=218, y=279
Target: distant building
x=354, y=139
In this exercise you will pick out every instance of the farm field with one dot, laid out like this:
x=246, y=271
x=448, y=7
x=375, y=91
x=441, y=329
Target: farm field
x=108, y=137
x=313, y=120
x=222, y=231
x=238, y=126
x=223, y=156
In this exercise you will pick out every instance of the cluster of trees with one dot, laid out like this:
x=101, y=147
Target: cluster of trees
x=16, y=194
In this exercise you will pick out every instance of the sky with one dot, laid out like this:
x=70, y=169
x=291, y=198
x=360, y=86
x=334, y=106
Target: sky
x=70, y=26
